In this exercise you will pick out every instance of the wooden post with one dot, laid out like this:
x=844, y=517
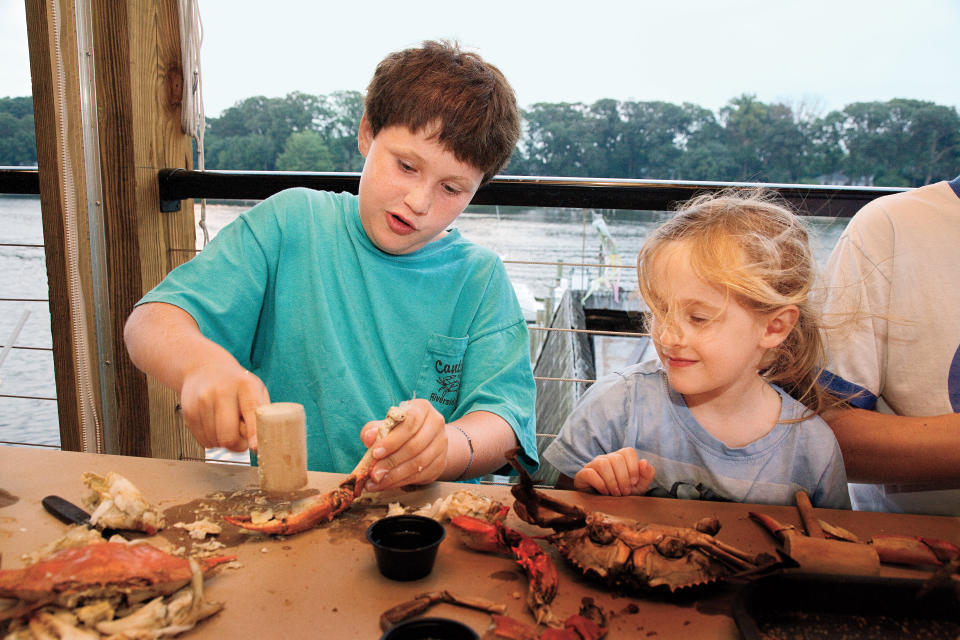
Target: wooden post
x=136, y=51
x=282, y=446
x=57, y=131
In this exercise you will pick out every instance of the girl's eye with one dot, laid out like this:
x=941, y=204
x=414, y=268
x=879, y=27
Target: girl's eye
x=699, y=319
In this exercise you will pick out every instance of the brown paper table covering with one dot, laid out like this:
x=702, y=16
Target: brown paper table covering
x=324, y=583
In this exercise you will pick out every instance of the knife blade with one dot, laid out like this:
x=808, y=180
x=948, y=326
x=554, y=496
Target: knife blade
x=69, y=513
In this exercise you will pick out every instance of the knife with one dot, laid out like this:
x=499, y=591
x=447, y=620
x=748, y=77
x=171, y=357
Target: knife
x=69, y=513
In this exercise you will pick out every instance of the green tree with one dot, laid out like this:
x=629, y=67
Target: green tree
x=305, y=151
x=339, y=126
x=18, y=142
x=899, y=142
x=253, y=152
x=764, y=141
x=650, y=146
x=705, y=155
x=264, y=122
x=557, y=138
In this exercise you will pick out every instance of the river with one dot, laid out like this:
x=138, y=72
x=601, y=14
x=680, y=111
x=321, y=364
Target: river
x=519, y=236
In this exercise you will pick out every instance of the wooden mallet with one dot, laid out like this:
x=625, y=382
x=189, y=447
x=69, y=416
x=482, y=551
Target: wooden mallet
x=282, y=452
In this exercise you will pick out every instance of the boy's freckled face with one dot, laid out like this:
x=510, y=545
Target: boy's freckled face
x=411, y=189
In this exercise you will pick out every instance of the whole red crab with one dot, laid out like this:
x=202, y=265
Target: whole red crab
x=108, y=570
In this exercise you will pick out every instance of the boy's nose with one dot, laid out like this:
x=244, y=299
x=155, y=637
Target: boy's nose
x=419, y=198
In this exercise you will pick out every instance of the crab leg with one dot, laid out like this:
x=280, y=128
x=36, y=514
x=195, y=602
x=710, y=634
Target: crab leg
x=307, y=513
x=894, y=549
x=424, y=601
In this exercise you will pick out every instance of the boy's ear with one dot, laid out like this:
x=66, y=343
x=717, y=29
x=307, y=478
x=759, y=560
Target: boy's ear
x=779, y=324
x=364, y=136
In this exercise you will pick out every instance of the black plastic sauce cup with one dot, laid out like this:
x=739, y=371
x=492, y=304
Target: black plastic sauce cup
x=406, y=546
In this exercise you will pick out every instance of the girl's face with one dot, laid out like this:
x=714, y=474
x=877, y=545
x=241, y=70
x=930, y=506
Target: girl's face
x=710, y=344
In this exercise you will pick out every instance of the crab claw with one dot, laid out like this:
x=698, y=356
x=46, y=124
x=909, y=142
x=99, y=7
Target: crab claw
x=424, y=601
x=495, y=537
x=916, y=550
x=302, y=515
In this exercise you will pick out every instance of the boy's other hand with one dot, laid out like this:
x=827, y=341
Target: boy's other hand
x=621, y=473
x=414, y=452
x=219, y=405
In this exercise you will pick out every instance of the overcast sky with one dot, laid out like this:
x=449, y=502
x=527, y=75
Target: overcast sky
x=823, y=54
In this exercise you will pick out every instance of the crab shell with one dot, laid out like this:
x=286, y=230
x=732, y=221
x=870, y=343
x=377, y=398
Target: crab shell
x=118, y=570
x=634, y=557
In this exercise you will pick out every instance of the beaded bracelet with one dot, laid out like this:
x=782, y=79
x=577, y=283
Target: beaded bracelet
x=469, y=444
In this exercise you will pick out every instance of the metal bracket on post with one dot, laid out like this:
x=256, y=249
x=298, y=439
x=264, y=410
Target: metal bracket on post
x=169, y=206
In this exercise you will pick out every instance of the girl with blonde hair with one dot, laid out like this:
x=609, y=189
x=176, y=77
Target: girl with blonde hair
x=729, y=410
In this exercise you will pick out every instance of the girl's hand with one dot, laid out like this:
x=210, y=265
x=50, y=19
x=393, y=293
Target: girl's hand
x=621, y=473
x=414, y=452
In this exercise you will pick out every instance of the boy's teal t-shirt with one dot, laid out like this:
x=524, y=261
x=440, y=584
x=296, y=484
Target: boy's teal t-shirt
x=297, y=293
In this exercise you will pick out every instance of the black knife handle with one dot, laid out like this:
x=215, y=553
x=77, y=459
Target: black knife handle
x=66, y=511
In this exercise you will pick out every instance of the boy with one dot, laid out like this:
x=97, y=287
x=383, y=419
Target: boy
x=350, y=304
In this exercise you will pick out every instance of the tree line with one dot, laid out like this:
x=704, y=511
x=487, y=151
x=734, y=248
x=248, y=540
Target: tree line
x=897, y=143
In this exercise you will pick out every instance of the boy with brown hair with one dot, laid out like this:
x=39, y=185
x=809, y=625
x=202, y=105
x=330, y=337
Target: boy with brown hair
x=349, y=304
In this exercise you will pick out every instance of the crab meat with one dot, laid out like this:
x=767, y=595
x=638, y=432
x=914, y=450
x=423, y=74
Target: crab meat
x=461, y=502
x=118, y=504
x=76, y=535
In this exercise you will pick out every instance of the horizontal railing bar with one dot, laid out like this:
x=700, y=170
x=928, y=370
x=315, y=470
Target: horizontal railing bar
x=29, y=348
x=30, y=444
x=19, y=181
x=10, y=395
x=593, y=332
x=24, y=300
x=524, y=191
x=18, y=244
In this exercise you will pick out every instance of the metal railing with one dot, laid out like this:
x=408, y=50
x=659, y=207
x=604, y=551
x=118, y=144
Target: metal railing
x=522, y=191
x=526, y=191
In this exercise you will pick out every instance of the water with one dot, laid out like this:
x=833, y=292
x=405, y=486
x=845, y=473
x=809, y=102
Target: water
x=27, y=372
x=519, y=236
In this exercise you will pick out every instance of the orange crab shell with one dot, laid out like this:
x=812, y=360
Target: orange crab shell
x=137, y=570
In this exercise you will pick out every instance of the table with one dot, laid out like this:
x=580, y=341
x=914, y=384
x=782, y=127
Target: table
x=324, y=582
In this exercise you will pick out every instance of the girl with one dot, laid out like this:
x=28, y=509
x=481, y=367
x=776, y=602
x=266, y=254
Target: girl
x=730, y=411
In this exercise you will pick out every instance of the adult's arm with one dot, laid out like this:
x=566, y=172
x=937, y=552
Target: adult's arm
x=882, y=448
x=216, y=392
